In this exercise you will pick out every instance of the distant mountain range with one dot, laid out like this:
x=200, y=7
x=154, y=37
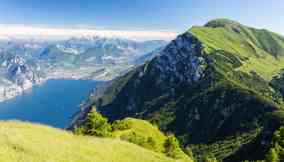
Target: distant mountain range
x=24, y=63
x=217, y=87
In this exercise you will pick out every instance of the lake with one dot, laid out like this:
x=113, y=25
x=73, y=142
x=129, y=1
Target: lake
x=52, y=103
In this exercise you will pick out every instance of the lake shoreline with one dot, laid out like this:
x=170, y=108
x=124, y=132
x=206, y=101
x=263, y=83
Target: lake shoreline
x=15, y=91
x=45, y=103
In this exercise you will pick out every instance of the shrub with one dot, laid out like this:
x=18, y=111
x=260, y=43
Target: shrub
x=95, y=125
x=210, y=158
x=151, y=142
x=272, y=156
x=121, y=125
x=189, y=152
x=147, y=142
x=79, y=131
x=172, y=148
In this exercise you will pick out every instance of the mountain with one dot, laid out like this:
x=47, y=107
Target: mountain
x=31, y=142
x=28, y=62
x=94, y=57
x=20, y=72
x=17, y=74
x=212, y=87
x=94, y=51
x=147, y=57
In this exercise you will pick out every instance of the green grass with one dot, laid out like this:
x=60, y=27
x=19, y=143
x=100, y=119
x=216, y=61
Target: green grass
x=132, y=130
x=25, y=142
x=260, y=50
x=143, y=129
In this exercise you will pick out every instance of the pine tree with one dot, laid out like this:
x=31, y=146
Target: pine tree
x=95, y=125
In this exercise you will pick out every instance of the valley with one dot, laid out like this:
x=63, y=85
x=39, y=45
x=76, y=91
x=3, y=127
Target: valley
x=216, y=95
x=141, y=81
x=25, y=63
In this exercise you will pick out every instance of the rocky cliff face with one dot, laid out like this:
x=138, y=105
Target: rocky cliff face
x=18, y=76
x=180, y=62
x=20, y=73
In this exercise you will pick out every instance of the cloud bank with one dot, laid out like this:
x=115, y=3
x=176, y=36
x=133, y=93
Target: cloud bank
x=22, y=31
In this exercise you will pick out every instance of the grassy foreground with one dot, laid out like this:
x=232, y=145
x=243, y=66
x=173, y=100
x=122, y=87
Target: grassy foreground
x=25, y=142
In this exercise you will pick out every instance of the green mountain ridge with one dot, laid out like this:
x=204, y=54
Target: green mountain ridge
x=252, y=46
x=209, y=87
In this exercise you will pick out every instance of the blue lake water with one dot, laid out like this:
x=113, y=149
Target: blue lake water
x=52, y=103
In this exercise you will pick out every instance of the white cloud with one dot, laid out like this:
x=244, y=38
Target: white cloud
x=49, y=32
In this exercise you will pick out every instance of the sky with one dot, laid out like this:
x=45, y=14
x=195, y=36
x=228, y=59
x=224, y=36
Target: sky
x=143, y=19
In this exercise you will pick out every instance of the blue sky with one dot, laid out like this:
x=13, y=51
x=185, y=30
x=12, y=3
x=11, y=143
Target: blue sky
x=170, y=15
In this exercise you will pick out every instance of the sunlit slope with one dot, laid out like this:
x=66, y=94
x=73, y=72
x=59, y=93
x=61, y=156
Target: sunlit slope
x=256, y=50
x=141, y=129
x=25, y=142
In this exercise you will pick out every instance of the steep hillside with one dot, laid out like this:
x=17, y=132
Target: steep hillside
x=24, y=142
x=210, y=86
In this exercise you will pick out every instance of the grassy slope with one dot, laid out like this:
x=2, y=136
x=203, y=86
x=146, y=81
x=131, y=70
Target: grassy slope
x=146, y=130
x=260, y=50
x=24, y=142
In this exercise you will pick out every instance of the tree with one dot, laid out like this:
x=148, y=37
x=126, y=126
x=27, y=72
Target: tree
x=121, y=125
x=95, y=125
x=272, y=156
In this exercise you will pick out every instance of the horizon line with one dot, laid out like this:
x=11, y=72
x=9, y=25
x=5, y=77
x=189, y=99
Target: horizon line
x=7, y=30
